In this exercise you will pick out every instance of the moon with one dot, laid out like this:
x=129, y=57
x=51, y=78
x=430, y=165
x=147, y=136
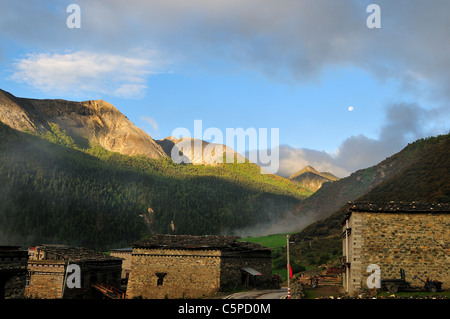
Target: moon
x=350, y=108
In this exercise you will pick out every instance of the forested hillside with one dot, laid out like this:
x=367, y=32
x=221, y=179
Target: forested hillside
x=52, y=192
x=427, y=179
x=424, y=177
x=420, y=163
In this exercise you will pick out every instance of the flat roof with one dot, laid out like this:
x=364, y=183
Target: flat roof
x=396, y=207
x=62, y=252
x=205, y=242
x=387, y=207
x=128, y=249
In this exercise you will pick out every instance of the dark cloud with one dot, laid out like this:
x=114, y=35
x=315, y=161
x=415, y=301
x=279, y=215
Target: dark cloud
x=286, y=40
x=296, y=41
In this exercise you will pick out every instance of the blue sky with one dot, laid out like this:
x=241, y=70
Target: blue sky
x=296, y=66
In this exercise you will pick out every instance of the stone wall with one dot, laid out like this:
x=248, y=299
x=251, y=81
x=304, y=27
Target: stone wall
x=352, y=248
x=126, y=263
x=14, y=287
x=46, y=280
x=192, y=273
x=297, y=291
x=417, y=242
x=188, y=273
x=13, y=266
x=234, y=262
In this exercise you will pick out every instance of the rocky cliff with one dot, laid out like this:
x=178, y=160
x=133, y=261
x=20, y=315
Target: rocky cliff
x=88, y=123
x=198, y=152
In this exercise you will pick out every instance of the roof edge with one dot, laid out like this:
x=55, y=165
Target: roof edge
x=397, y=207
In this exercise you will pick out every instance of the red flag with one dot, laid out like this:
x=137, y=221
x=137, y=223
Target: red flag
x=290, y=271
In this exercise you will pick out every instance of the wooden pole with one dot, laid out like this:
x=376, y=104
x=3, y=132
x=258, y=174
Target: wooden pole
x=288, y=268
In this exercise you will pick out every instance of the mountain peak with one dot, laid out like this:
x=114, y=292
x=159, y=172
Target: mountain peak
x=88, y=123
x=311, y=179
x=99, y=104
x=307, y=168
x=196, y=151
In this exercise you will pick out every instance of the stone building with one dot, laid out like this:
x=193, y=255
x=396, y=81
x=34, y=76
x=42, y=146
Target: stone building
x=13, y=266
x=125, y=255
x=182, y=266
x=414, y=237
x=48, y=272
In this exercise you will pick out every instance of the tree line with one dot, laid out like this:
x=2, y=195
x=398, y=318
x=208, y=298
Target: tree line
x=53, y=192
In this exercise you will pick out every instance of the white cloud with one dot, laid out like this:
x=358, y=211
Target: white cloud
x=288, y=40
x=285, y=39
x=404, y=123
x=83, y=72
x=294, y=159
x=293, y=39
x=150, y=121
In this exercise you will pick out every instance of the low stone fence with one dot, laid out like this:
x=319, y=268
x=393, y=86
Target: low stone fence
x=297, y=291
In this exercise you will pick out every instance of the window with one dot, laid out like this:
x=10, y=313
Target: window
x=160, y=280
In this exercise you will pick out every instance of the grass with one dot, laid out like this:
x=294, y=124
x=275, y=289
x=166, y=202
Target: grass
x=270, y=241
x=304, y=255
x=312, y=250
x=276, y=242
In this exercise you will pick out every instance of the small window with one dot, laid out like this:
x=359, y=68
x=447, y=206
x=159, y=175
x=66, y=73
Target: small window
x=160, y=280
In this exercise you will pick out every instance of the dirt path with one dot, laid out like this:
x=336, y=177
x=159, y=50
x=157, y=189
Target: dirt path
x=259, y=294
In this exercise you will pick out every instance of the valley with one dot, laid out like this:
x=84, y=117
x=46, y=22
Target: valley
x=56, y=189
x=80, y=173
